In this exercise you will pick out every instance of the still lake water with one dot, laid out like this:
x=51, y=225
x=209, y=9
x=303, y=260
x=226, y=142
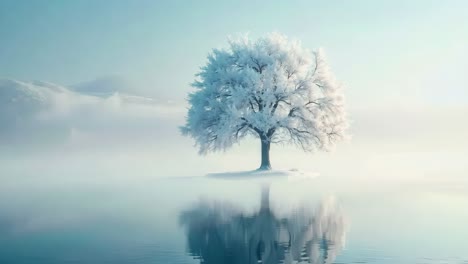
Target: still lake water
x=219, y=220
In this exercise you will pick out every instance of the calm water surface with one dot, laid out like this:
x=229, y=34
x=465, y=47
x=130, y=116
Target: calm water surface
x=213, y=220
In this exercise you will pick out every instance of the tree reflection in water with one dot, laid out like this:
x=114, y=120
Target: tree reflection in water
x=218, y=233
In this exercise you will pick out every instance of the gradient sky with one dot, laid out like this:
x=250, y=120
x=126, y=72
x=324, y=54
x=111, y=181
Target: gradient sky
x=386, y=52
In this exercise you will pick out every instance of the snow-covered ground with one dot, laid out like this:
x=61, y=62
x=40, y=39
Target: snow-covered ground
x=275, y=174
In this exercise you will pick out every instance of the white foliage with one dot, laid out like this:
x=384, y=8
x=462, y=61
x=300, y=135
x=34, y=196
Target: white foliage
x=270, y=88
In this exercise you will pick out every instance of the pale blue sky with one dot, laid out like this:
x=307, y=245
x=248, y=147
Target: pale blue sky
x=384, y=51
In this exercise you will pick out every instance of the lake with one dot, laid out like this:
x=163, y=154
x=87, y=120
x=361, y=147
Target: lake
x=232, y=220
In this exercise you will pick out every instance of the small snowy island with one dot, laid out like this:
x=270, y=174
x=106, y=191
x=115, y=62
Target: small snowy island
x=290, y=175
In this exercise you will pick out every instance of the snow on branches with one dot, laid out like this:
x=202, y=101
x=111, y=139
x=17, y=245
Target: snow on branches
x=270, y=88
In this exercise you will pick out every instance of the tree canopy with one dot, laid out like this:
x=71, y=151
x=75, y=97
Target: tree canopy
x=271, y=88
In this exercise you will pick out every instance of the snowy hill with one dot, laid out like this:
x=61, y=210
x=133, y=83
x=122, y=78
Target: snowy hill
x=39, y=110
x=19, y=99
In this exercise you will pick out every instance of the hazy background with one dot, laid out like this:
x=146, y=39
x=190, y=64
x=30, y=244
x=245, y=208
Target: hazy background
x=92, y=94
x=95, y=90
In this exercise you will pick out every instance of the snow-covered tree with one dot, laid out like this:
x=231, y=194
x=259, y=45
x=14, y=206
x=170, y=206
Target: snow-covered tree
x=270, y=88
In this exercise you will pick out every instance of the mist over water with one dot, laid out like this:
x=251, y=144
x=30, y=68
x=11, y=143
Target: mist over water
x=111, y=180
x=148, y=220
x=121, y=185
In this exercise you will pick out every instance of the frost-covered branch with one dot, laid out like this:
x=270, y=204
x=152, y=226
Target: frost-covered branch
x=271, y=88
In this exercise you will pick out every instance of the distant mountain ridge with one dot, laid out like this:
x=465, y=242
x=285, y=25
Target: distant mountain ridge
x=38, y=112
x=104, y=87
x=21, y=101
x=36, y=94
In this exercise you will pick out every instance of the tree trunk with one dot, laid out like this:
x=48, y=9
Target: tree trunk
x=265, y=154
